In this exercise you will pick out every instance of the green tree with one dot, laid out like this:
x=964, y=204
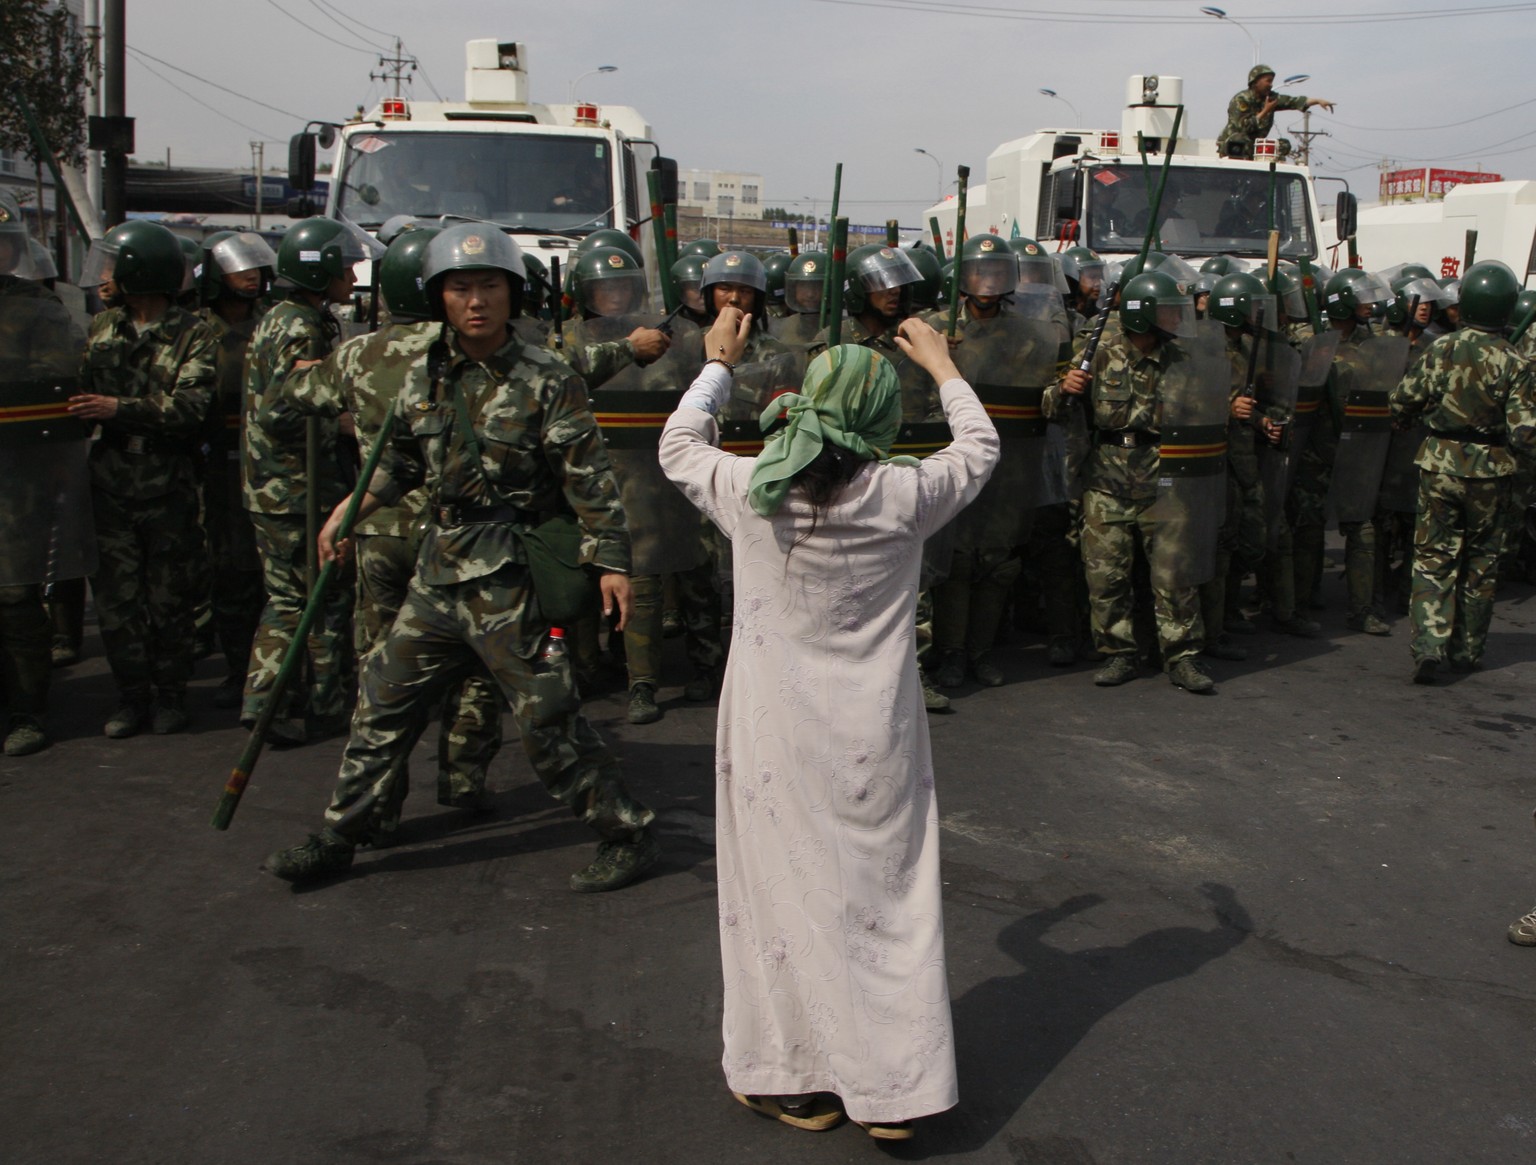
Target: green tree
x=44, y=56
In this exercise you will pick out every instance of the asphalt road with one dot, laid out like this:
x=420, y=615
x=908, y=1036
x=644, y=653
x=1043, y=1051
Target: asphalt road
x=1264, y=926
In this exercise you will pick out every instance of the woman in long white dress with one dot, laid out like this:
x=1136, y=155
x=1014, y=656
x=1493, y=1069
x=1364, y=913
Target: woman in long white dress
x=831, y=923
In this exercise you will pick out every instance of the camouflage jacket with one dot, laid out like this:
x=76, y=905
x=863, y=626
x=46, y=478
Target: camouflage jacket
x=540, y=453
x=364, y=377
x=1243, y=121
x=222, y=431
x=273, y=466
x=1123, y=395
x=766, y=368
x=163, y=375
x=596, y=362
x=38, y=337
x=1477, y=397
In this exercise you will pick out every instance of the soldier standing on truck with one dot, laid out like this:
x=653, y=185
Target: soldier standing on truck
x=1251, y=114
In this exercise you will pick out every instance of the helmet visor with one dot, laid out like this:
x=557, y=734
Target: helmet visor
x=1038, y=269
x=357, y=244
x=1184, y=274
x=1450, y=294
x=803, y=294
x=887, y=272
x=1370, y=291
x=1423, y=290
x=989, y=275
x=1293, y=301
x=620, y=294
x=99, y=263
x=243, y=252
x=25, y=257
x=1176, y=317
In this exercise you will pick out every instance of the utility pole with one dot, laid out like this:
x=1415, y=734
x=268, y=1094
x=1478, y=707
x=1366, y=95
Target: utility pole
x=258, y=161
x=93, y=108
x=114, y=175
x=397, y=68
x=1306, y=135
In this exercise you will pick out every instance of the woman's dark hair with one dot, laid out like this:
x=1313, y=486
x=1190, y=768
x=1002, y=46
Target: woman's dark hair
x=822, y=480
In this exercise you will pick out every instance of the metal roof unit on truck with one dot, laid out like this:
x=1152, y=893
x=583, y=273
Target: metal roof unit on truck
x=548, y=175
x=1090, y=187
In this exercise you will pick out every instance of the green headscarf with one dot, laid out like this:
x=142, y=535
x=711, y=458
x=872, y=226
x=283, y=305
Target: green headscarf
x=851, y=397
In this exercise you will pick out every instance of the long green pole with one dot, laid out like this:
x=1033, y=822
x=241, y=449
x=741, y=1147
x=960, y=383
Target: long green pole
x=669, y=215
x=964, y=173
x=1162, y=184
x=938, y=237
x=837, y=272
x=659, y=240
x=45, y=151
x=240, y=775
x=1309, y=290
x=826, y=283
x=1146, y=177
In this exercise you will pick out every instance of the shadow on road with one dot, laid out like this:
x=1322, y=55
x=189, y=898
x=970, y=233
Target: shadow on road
x=1012, y=1030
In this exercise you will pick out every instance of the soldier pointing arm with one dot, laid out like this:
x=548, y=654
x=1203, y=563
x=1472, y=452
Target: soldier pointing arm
x=1251, y=114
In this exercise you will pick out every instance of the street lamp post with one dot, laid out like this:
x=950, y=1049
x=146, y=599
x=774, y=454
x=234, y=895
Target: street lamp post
x=1052, y=93
x=939, y=196
x=591, y=73
x=1221, y=14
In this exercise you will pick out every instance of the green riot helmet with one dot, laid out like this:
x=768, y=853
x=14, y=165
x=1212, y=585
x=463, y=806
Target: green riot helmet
x=1489, y=290
x=609, y=237
x=400, y=281
x=1241, y=300
x=141, y=258
x=609, y=283
x=705, y=247
x=740, y=268
x=1415, y=290
x=925, y=295
x=1351, y=289
x=15, y=253
x=688, y=278
x=989, y=268
x=1523, y=307
x=1035, y=265
x=1450, y=286
x=1183, y=272
x=774, y=265
x=1289, y=291
x=1134, y=266
x=1219, y=265
x=233, y=253
x=1083, y=270
x=318, y=250
x=1417, y=270
x=804, y=281
x=471, y=247
x=191, y=260
x=876, y=267
x=1154, y=302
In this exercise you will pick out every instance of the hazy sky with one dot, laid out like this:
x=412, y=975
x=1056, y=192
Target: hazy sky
x=790, y=88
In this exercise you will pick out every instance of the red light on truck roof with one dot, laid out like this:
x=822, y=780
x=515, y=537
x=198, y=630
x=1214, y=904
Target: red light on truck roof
x=1109, y=141
x=1264, y=148
x=586, y=114
x=395, y=109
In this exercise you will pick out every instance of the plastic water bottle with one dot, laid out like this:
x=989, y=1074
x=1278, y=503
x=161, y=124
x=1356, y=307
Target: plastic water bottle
x=554, y=646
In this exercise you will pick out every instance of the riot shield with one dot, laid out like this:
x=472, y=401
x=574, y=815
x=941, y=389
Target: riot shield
x=1009, y=360
x=1191, y=504
x=1373, y=369
x=46, y=531
x=631, y=408
x=1279, y=383
x=796, y=330
x=768, y=369
x=1400, y=478
x=1317, y=354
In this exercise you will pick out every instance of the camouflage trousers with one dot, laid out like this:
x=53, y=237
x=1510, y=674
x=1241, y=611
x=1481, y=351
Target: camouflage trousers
x=283, y=544
x=1240, y=545
x=1456, y=544
x=26, y=650
x=698, y=602
x=469, y=736
x=146, y=597
x=968, y=606
x=1113, y=529
x=1517, y=552
x=1308, y=507
x=441, y=635
x=237, y=593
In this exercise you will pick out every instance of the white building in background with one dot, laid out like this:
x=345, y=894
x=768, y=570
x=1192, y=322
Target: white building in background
x=721, y=193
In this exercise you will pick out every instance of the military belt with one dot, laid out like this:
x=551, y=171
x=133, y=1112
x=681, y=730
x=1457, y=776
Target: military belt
x=1125, y=438
x=140, y=446
x=1473, y=437
x=455, y=515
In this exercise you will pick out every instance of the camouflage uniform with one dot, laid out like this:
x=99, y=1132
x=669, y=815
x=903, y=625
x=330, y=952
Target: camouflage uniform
x=1243, y=536
x=1519, y=552
x=364, y=377
x=470, y=603
x=237, y=592
x=1477, y=397
x=1245, y=126
x=144, y=493
x=38, y=339
x=1395, y=509
x=276, y=494
x=1119, y=487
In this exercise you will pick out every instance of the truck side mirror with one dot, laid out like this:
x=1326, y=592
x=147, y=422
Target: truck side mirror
x=1346, y=215
x=667, y=167
x=1069, y=196
x=301, y=161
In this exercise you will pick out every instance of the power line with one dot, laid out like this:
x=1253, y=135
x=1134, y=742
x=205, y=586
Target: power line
x=315, y=4
x=1063, y=16
x=322, y=35
x=211, y=109
x=1428, y=128
x=222, y=88
x=359, y=23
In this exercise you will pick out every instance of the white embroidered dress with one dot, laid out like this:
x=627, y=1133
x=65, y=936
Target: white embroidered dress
x=831, y=924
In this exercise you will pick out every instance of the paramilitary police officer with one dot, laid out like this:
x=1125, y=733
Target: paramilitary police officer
x=501, y=435
x=1251, y=114
x=1477, y=398
x=316, y=259
x=804, y=282
x=45, y=531
x=150, y=369
x=1120, y=483
x=364, y=377
x=236, y=273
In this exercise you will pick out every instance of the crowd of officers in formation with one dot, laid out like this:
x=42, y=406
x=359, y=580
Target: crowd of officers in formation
x=1167, y=433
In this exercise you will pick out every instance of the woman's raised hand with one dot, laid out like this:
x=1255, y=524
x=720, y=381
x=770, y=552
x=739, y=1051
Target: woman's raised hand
x=727, y=336
x=929, y=348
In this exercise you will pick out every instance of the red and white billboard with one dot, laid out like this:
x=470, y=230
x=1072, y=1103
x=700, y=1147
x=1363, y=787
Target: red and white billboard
x=1428, y=182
